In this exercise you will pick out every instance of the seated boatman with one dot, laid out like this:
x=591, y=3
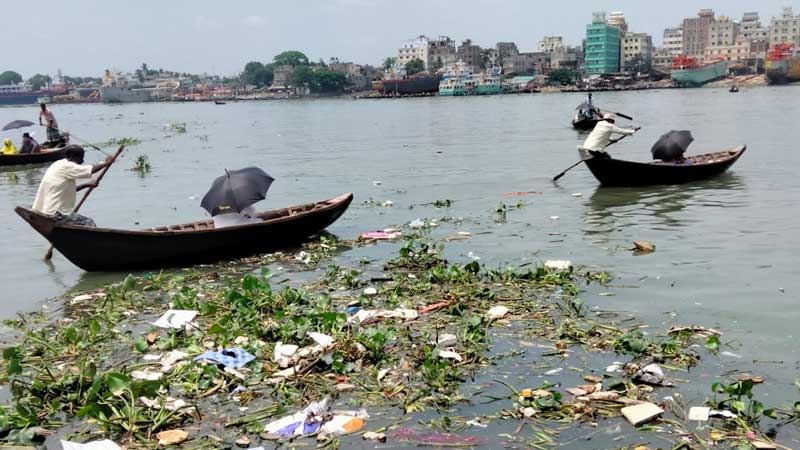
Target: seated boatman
x=232, y=219
x=56, y=194
x=600, y=137
x=29, y=145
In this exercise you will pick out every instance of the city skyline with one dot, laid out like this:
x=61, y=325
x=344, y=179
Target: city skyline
x=200, y=37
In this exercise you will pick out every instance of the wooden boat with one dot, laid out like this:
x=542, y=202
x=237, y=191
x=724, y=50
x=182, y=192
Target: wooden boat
x=584, y=123
x=733, y=89
x=219, y=102
x=617, y=172
x=46, y=155
x=105, y=249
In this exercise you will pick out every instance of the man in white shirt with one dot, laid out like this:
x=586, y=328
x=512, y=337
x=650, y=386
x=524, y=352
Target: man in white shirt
x=600, y=137
x=246, y=216
x=57, y=191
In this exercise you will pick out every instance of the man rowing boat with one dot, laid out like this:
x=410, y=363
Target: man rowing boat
x=600, y=137
x=57, y=191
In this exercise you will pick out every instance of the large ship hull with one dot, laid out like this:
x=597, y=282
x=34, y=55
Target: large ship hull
x=409, y=86
x=783, y=71
x=701, y=75
x=26, y=98
x=114, y=94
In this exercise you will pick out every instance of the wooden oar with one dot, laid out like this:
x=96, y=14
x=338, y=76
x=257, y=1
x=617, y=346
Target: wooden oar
x=49, y=255
x=624, y=116
x=613, y=141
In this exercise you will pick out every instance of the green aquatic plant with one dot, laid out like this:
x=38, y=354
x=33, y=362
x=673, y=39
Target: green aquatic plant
x=141, y=164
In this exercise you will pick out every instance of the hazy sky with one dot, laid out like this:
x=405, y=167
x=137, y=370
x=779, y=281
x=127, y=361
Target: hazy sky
x=83, y=37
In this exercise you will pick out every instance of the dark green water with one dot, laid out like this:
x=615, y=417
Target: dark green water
x=726, y=248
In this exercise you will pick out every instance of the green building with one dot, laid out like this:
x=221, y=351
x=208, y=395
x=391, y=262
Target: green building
x=602, y=46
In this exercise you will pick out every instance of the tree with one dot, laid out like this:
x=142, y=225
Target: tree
x=38, y=81
x=258, y=74
x=562, y=76
x=438, y=64
x=414, y=66
x=389, y=62
x=303, y=76
x=10, y=77
x=291, y=58
x=329, y=81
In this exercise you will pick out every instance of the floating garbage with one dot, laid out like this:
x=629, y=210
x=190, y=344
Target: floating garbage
x=366, y=315
x=437, y=439
x=699, y=413
x=416, y=223
x=447, y=340
x=105, y=444
x=497, y=312
x=175, y=318
x=380, y=235
x=370, y=291
x=170, y=404
x=283, y=353
x=642, y=413
x=229, y=357
x=320, y=338
x=653, y=375
x=558, y=264
x=316, y=417
x=172, y=437
x=448, y=354
x=642, y=247
x=373, y=436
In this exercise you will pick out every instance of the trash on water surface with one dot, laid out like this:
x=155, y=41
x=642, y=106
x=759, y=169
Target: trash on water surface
x=447, y=340
x=653, y=375
x=553, y=217
x=436, y=439
x=170, y=404
x=316, y=418
x=229, y=357
x=373, y=436
x=446, y=354
x=642, y=413
x=365, y=315
x=172, y=437
x=416, y=223
x=722, y=414
x=105, y=444
x=699, y=413
x=558, y=264
x=175, y=318
x=283, y=354
x=370, y=291
x=497, y=312
x=641, y=247
x=380, y=235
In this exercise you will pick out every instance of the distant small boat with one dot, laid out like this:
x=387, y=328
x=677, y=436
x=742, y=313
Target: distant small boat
x=733, y=89
x=44, y=156
x=219, y=102
x=618, y=172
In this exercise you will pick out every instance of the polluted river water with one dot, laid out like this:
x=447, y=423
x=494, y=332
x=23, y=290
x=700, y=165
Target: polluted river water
x=724, y=247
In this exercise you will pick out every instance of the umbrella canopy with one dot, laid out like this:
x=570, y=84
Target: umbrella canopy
x=236, y=190
x=672, y=145
x=14, y=124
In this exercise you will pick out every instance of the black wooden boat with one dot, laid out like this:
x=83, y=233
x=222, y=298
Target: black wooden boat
x=618, y=172
x=46, y=155
x=585, y=123
x=105, y=249
x=733, y=89
x=219, y=102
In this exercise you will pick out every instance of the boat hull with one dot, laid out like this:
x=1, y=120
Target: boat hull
x=783, y=71
x=700, y=75
x=104, y=249
x=617, y=172
x=32, y=158
x=409, y=86
x=492, y=89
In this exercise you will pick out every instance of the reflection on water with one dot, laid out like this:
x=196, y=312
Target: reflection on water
x=659, y=207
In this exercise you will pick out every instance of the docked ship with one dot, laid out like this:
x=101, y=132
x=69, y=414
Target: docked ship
x=395, y=82
x=458, y=80
x=688, y=72
x=21, y=94
x=118, y=88
x=783, y=64
x=490, y=83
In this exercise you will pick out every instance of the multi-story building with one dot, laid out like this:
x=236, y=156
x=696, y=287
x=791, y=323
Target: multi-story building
x=617, y=19
x=722, y=32
x=470, y=54
x=738, y=52
x=750, y=27
x=695, y=33
x=673, y=41
x=506, y=50
x=662, y=60
x=441, y=52
x=637, y=52
x=567, y=58
x=359, y=77
x=785, y=29
x=527, y=63
x=602, y=46
x=549, y=44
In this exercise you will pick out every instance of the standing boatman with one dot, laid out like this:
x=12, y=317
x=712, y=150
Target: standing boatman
x=600, y=137
x=53, y=134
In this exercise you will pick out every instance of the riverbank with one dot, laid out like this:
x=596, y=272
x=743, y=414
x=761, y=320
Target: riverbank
x=380, y=344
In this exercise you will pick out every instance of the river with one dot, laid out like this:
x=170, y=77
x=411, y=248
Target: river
x=726, y=247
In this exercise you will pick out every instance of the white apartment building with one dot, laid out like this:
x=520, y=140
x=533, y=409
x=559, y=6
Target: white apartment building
x=430, y=51
x=549, y=44
x=637, y=45
x=673, y=41
x=739, y=51
x=785, y=29
x=722, y=32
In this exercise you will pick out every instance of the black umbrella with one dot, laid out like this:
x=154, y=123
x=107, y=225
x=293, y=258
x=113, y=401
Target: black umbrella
x=236, y=190
x=672, y=145
x=14, y=124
